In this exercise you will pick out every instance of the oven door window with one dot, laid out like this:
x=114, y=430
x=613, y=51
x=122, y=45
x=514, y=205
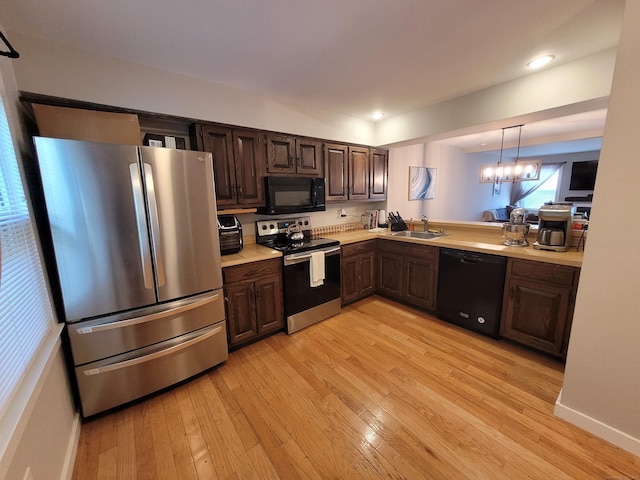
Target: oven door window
x=298, y=293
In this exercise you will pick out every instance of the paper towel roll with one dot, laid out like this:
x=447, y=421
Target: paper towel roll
x=382, y=219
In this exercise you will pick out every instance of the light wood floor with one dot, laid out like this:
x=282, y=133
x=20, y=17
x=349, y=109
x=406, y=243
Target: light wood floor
x=379, y=391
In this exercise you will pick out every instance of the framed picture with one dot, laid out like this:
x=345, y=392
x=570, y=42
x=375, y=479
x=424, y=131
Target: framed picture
x=422, y=183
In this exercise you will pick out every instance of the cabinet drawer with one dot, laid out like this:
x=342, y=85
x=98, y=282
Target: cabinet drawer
x=360, y=247
x=425, y=252
x=250, y=271
x=391, y=246
x=120, y=379
x=546, y=272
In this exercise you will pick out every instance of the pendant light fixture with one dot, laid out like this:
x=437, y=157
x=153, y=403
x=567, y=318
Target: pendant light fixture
x=515, y=171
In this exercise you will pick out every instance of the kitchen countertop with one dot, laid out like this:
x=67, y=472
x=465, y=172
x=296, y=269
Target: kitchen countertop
x=482, y=237
x=250, y=253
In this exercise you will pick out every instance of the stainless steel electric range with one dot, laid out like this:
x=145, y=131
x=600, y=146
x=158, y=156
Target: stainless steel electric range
x=308, y=298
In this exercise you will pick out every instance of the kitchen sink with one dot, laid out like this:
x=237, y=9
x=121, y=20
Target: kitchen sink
x=421, y=235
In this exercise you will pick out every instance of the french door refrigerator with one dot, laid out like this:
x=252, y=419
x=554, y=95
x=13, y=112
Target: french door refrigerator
x=134, y=237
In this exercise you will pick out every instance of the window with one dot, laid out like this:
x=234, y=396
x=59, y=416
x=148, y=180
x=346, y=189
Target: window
x=26, y=316
x=546, y=192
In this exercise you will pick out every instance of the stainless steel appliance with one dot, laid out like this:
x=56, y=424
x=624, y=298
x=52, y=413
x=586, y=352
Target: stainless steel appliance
x=516, y=230
x=470, y=288
x=287, y=195
x=554, y=227
x=136, y=263
x=305, y=301
x=230, y=231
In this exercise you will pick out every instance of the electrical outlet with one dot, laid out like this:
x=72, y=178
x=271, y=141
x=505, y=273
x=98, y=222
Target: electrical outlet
x=27, y=474
x=343, y=212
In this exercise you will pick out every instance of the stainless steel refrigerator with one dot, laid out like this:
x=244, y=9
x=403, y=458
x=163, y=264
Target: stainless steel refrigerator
x=135, y=240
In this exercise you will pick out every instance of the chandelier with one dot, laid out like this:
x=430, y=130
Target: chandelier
x=516, y=171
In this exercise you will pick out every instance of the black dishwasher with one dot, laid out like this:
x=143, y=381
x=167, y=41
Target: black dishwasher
x=470, y=287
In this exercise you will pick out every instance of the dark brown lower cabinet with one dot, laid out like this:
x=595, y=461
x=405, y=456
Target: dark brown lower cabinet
x=253, y=295
x=538, y=305
x=358, y=271
x=408, y=272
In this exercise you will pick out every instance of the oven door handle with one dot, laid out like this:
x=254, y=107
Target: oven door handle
x=298, y=258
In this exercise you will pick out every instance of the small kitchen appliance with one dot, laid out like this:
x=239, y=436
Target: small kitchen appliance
x=287, y=195
x=554, y=231
x=516, y=230
x=230, y=233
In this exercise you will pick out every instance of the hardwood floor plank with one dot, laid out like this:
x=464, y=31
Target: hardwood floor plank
x=126, y=451
x=378, y=391
x=178, y=438
x=165, y=465
x=214, y=440
x=144, y=446
x=86, y=462
x=202, y=460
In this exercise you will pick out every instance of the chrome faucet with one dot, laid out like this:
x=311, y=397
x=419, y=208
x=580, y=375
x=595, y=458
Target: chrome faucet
x=425, y=222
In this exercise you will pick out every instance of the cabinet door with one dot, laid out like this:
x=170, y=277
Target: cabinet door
x=419, y=285
x=218, y=141
x=349, y=281
x=280, y=154
x=309, y=157
x=358, y=173
x=241, y=312
x=389, y=276
x=336, y=160
x=366, y=273
x=536, y=314
x=249, y=157
x=269, y=307
x=378, y=173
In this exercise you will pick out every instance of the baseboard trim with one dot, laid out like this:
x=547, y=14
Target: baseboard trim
x=602, y=430
x=72, y=449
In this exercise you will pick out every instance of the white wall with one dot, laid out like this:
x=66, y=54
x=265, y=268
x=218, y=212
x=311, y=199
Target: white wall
x=601, y=390
x=540, y=93
x=47, y=442
x=52, y=69
x=400, y=159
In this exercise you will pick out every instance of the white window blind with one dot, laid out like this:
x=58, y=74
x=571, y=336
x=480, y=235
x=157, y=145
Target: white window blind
x=26, y=316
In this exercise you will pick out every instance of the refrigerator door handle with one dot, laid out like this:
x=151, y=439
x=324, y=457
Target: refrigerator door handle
x=152, y=356
x=141, y=223
x=155, y=223
x=148, y=318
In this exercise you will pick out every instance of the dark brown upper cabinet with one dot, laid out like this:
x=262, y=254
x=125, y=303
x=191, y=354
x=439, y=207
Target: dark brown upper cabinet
x=355, y=173
x=238, y=163
x=378, y=173
x=288, y=154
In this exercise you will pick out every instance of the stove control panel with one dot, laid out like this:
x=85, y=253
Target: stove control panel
x=275, y=226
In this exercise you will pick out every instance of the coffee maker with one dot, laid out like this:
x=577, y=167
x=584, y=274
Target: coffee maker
x=554, y=228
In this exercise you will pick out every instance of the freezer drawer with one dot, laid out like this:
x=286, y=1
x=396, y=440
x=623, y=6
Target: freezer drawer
x=108, y=383
x=116, y=334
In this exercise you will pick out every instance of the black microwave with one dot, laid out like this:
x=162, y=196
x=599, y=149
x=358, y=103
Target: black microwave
x=293, y=195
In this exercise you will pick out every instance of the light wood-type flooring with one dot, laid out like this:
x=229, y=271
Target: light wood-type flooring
x=379, y=391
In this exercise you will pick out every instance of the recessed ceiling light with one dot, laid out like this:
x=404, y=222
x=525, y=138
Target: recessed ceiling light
x=377, y=115
x=540, y=61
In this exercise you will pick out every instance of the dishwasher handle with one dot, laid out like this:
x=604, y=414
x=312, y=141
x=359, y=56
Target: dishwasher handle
x=469, y=260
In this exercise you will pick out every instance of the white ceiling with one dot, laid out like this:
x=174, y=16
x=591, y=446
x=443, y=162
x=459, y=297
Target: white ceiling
x=348, y=56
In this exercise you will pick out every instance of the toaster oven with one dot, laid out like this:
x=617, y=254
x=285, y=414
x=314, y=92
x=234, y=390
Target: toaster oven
x=230, y=233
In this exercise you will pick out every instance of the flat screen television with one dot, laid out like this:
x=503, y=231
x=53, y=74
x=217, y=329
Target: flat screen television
x=583, y=175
